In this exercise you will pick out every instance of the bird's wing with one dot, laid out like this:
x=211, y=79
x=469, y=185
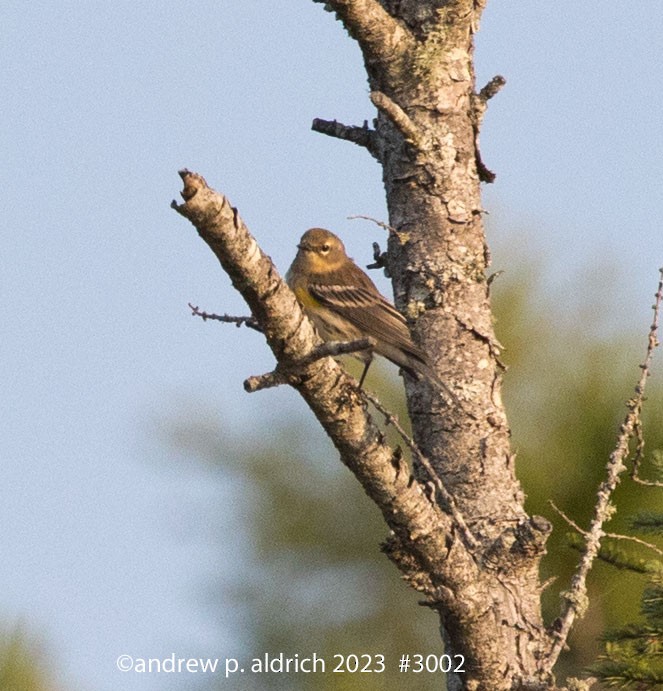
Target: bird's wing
x=364, y=307
x=368, y=310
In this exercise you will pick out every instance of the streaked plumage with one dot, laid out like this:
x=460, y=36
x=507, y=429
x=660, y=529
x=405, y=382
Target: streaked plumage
x=345, y=305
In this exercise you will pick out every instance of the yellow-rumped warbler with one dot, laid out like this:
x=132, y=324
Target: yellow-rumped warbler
x=345, y=305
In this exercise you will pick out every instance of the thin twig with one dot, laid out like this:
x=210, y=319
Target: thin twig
x=382, y=224
x=570, y=521
x=632, y=538
x=614, y=536
x=638, y=458
x=479, y=107
x=575, y=599
x=391, y=419
x=281, y=376
x=250, y=322
x=652, y=343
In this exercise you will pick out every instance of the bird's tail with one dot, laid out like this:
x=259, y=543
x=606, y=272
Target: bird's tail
x=418, y=367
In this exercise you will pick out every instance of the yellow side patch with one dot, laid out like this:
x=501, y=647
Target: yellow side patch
x=305, y=298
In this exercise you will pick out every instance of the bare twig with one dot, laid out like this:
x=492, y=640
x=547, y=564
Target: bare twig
x=570, y=521
x=652, y=343
x=492, y=277
x=362, y=136
x=391, y=419
x=492, y=88
x=382, y=224
x=480, y=100
x=613, y=536
x=249, y=322
x=479, y=106
x=575, y=599
x=283, y=375
x=637, y=540
x=637, y=461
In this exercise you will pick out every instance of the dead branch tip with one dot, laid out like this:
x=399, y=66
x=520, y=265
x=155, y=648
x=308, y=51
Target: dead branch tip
x=492, y=88
x=362, y=136
x=192, y=183
x=264, y=381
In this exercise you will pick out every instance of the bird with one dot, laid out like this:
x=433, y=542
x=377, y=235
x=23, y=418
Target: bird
x=344, y=305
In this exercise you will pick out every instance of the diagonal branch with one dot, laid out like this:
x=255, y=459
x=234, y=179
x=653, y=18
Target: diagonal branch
x=330, y=393
x=575, y=599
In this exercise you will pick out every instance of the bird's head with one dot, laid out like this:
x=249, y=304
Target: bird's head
x=321, y=250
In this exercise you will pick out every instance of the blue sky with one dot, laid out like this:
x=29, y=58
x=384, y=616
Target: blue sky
x=105, y=542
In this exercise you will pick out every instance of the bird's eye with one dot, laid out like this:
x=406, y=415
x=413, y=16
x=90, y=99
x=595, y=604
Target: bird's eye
x=326, y=247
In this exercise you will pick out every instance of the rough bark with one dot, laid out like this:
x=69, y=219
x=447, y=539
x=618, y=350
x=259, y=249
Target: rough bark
x=419, y=60
x=485, y=585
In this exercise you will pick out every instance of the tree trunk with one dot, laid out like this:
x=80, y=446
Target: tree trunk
x=419, y=60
